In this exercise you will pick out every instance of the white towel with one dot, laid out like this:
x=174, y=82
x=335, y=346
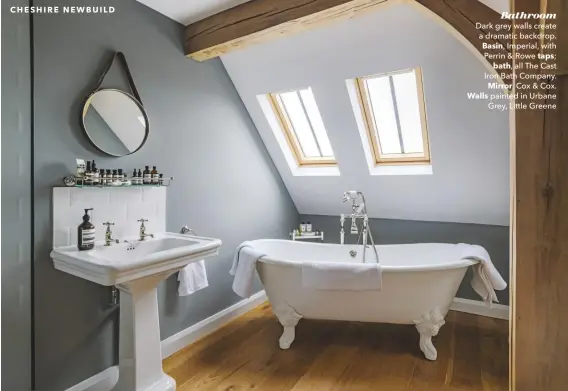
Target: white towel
x=192, y=278
x=486, y=279
x=244, y=266
x=342, y=276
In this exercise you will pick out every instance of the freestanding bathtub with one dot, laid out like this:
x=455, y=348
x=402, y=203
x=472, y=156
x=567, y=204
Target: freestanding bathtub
x=419, y=283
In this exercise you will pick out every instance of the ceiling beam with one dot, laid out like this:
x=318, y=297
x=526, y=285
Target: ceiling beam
x=259, y=21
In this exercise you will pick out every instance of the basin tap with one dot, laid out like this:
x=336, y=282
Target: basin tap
x=143, y=233
x=108, y=234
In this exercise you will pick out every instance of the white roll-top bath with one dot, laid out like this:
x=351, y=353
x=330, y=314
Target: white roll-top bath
x=412, y=283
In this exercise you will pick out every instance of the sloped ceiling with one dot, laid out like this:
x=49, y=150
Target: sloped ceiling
x=189, y=11
x=469, y=143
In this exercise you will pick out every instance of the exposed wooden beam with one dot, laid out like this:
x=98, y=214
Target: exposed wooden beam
x=259, y=21
x=539, y=300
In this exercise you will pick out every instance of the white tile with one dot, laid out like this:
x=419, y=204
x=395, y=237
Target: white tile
x=122, y=206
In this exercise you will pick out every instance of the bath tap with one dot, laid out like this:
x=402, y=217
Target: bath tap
x=359, y=211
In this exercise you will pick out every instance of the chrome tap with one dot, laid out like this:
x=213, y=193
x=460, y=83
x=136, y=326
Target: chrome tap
x=359, y=211
x=143, y=233
x=108, y=234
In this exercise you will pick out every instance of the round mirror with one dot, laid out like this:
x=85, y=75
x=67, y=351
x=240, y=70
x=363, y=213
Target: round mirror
x=115, y=122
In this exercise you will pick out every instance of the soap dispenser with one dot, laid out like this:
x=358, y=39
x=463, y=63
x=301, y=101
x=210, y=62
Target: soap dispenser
x=86, y=233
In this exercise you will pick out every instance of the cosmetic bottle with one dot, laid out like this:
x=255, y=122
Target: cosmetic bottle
x=302, y=228
x=309, y=227
x=154, y=175
x=103, y=177
x=134, y=178
x=140, y=177
x=147, y=176
x=114, y=176
x=108, y=177
x=161, y=180
x=86, y=233
x=96, y=174
x=88, y=179
x=119, y=176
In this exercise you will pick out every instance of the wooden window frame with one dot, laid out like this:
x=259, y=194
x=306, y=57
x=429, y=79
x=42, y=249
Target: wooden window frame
x=370, y=124
x=292, y=140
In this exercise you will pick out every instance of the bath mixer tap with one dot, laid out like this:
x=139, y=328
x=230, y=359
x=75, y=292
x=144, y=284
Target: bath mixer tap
x=143, y=233
x=108, y=234
x=359, y=211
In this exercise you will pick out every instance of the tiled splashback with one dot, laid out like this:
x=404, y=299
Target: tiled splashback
x=122, y=206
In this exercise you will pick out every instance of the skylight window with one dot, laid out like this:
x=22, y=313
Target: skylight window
x=302, y=125
x=395, y=117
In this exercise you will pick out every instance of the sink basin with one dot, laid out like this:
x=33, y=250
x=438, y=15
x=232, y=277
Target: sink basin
x=119, y=263
x=136, y=268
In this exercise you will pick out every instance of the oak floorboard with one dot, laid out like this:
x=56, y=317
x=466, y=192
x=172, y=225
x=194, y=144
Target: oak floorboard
x=344, y=356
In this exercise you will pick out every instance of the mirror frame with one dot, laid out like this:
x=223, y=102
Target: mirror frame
x=138, y=103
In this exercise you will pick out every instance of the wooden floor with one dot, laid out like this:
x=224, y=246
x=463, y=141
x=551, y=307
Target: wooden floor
x=344, y=356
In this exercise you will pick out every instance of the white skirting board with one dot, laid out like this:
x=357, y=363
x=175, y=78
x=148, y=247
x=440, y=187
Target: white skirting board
x=185, y=337
x=106, y=380
x=498, y=311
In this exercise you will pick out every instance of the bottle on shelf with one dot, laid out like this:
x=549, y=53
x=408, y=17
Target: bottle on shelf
x=309, y=227
x=114, y=175
x=302, y=228
x=88, y=179
x=147, y=176
x=108, y=176
x=154, y=175
x=134, y=178
x=95, y=171
x=102, y=176
x=161, y=180
x=140, y=180
x=119, y=177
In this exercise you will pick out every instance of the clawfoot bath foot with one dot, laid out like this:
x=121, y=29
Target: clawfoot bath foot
x=288, y=318
x=428, y=327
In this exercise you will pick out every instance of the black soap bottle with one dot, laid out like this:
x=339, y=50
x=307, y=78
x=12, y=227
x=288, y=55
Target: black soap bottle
x=86, y=233
x=147, y=176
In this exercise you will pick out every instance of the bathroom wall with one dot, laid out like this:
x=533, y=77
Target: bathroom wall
x=225, y=186
x=494, y=238
x=16, y=200
x=469, y=143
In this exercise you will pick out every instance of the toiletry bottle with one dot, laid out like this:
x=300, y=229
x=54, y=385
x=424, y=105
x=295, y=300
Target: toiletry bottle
x=140, y=178
x=108, y=177
x=134, y=178
x=302, y=228
x=154, y=175
x=147, y=176
x=96, y=175
x=309, y=227
x=120, y=176
x=161, y=180
x=114, y=175
x=88, y=175
x=102, y=176
x=86, y=233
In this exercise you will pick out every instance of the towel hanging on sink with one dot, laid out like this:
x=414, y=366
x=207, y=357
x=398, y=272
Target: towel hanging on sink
x=193, y=277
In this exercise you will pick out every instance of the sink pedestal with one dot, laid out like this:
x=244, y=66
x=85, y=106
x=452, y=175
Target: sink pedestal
x=140, y=354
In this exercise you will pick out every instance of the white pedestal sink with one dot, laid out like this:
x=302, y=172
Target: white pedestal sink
x=137, y=273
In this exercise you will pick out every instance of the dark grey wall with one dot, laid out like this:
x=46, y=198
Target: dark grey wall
x=16, y=200
x=226, y=185
x=494, y=238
